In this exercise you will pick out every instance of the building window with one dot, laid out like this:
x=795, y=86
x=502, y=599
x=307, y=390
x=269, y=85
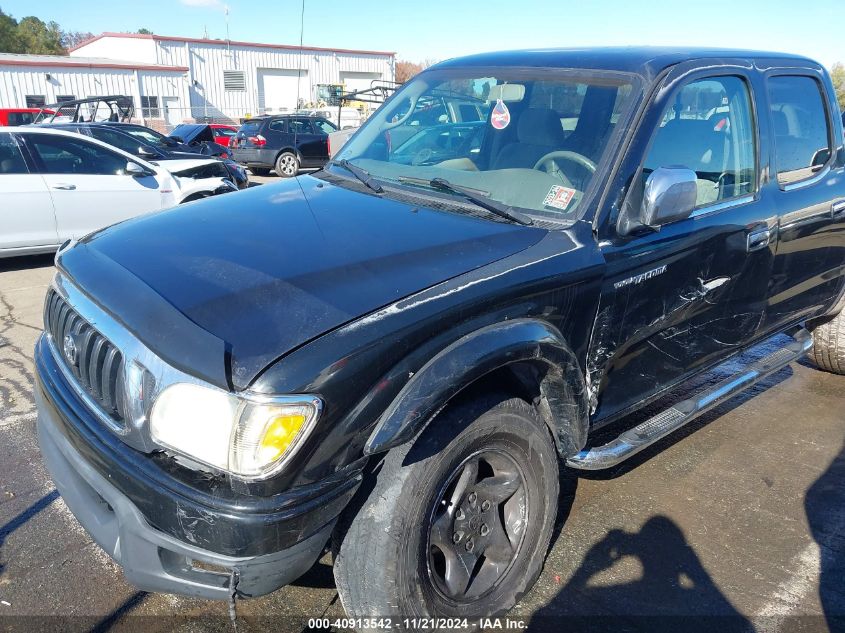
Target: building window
x=234, y=80
x=35, y=101
x=149, y=108
x=63, y=98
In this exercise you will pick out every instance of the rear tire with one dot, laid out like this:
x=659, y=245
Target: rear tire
x=477, y=490
x=287, y=165
x=828, y=351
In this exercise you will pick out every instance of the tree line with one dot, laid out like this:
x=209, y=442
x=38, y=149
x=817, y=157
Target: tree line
x=34, y=36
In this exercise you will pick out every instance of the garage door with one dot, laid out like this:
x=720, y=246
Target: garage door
x=357, y=81
x=277, y=89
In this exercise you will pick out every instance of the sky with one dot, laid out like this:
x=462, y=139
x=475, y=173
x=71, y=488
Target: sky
x=439, y=29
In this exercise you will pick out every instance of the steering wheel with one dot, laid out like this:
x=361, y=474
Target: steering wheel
x=547, y=163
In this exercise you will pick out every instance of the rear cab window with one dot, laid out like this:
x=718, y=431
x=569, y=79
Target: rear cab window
x=800, y=126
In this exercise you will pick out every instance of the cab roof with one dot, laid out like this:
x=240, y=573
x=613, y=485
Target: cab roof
x=643, y=60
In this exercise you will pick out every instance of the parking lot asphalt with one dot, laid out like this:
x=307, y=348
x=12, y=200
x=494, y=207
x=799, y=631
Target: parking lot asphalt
x=735, y=523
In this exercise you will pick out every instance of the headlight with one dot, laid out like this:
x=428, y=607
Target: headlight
x=250, y=437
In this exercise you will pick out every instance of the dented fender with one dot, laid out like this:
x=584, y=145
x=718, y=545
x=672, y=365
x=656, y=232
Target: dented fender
x=562, y=401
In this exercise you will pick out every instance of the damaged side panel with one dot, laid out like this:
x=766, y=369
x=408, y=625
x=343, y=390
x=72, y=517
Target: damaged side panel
x=673, y=302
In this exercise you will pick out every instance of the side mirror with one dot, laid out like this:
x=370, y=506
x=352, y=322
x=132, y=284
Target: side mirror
x=145, y=151
x=669, y=196
x=135, y=170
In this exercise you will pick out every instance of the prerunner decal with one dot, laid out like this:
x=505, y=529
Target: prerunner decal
x=559, y=197
x=500, y=118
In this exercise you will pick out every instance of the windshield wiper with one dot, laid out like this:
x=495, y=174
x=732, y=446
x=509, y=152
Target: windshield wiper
x=502, y=210
x=361, y=174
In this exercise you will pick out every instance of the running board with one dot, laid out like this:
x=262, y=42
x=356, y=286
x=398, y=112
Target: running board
x=640, y=437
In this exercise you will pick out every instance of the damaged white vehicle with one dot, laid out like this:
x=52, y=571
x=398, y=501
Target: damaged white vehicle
x=56, y=186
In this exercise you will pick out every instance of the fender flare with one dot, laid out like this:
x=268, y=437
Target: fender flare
x=563, y=401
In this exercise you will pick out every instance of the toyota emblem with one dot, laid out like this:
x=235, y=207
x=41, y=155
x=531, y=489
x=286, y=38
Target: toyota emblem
x=69, y=348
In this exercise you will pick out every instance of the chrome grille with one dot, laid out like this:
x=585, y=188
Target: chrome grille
x=93, y=360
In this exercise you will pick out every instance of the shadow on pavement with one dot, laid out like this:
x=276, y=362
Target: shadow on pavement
x=674, y=592
x=26, y=262
x=26, y=515
x=825, y=506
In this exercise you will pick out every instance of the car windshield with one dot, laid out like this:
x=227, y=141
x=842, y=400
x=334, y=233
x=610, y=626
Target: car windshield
x=528, y=139
x=148, y=136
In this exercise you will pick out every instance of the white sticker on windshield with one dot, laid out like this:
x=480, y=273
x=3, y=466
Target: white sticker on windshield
x=559, y=197
x=500, y=117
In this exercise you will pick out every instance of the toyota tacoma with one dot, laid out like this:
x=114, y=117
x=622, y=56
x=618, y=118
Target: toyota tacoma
x=393, y=357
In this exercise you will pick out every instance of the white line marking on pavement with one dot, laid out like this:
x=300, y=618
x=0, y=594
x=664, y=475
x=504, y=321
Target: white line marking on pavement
x=791, y=593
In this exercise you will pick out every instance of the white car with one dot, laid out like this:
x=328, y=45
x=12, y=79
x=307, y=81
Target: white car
x=56, y=186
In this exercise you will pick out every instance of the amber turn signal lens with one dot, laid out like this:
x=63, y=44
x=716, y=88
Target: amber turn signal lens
x=280, y=434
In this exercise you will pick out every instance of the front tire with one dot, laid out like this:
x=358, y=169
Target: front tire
x=458, y=523
x=828, y=351
x=287, y=165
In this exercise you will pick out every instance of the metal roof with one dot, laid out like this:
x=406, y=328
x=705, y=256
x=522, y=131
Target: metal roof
x=64, y=61
x=221, y=42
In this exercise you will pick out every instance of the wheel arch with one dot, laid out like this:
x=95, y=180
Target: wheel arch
x=292, y=150
x=529, y=356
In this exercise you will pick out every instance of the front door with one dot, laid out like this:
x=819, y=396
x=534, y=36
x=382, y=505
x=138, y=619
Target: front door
x=88, y=184
x=26, y=215
x=692, y=292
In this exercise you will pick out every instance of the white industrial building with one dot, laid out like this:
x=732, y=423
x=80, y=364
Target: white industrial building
x=176, y=79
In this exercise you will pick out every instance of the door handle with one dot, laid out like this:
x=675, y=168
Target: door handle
x=758, y=240
x=837, y=210
x=64, y=186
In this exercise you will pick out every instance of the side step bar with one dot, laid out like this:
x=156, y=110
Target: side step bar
x=640, y=437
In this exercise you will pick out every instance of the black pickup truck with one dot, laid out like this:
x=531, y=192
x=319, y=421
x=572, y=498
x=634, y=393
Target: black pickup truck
x=393, y=359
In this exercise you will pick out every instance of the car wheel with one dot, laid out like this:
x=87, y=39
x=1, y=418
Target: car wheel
x=458, y=523
x=828, y=352
x=287, y=165
x=260, y=171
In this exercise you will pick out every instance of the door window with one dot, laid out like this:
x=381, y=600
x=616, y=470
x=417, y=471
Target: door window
x=11, y=158
x=65, y=155
x=800, y=125
x=300, y=126
x=709, y=129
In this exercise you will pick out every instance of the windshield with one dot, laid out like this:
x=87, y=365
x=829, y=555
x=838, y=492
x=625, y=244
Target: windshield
x=150, y=137
x=529, y=139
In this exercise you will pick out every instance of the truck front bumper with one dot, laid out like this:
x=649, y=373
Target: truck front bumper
x=153, y=560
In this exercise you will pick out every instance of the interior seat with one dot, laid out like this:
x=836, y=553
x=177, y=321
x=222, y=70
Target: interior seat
x=694, y=144
x=538, y=132
x=11, y=162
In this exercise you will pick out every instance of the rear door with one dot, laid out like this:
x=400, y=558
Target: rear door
x=312, y=147
x=88, y=184
x=810, y=195
x=26, y=215
x=689, y=294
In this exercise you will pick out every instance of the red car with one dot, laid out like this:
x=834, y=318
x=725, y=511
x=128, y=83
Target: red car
x=223, y=133
x=21, y=116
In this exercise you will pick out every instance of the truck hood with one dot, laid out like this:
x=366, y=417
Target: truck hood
x=268, y=269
